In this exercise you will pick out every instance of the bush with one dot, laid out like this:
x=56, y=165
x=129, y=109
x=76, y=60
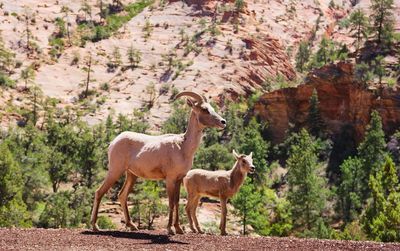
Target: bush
x=213, y=158
x=5, y=81
x=105, y=222
x=67, y=209
x=353, y=231
x=96, y=33
x=177, y=122
x=57, y=47
x=105, y=87
x=12, y=209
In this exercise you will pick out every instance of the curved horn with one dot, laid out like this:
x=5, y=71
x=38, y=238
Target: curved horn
x=194, y=95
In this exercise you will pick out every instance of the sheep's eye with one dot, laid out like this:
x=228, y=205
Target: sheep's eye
x=206, y=111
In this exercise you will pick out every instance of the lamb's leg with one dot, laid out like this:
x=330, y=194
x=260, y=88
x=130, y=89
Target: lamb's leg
x=111, y=178
x=178, y=229
x=222, y=225
x=194, y=208
x=123, y=199
x=171, y=202
x=188, y=208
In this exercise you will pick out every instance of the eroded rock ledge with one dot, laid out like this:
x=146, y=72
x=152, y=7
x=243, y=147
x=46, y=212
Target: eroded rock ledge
x=344, y=102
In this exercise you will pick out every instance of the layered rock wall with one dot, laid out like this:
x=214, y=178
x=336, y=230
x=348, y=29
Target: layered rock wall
x=343, y=102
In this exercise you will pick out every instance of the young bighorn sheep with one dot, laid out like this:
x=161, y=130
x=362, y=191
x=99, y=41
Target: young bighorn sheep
x=166, y=157
x=218, y=184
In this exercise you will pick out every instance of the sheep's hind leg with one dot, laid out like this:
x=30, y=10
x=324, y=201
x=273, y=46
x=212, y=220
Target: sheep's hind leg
x=194, y=208
x=222, y=225
x=108, y=182
x=123, y=199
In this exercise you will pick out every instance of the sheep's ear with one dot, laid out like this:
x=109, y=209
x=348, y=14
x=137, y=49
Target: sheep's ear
x=235, y=154
x=251, y=155
x=189, y=102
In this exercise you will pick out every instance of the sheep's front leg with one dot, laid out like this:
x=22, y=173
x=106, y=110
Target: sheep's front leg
x=194, y=216
x=222, y=225
x=178, y=229
x=173, y=200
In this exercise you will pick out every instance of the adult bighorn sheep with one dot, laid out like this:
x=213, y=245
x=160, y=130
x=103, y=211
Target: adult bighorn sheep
x=166, y=157
x=218, y=184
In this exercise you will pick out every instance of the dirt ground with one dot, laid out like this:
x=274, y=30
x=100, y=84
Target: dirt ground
x=81, y=239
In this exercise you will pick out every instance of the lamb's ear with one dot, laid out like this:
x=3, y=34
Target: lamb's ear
x=189, y=102
x=235, y=154
x=251, y=155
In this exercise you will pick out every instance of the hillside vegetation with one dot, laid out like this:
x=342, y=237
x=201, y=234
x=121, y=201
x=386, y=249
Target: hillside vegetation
x=74, y=76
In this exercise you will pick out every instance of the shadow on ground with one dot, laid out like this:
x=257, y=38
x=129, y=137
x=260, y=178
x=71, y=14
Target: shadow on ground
x=154, y=238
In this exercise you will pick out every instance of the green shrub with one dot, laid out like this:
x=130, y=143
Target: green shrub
x=115, y=21
x=105, y=222
x=5, y=81
x=67, y=209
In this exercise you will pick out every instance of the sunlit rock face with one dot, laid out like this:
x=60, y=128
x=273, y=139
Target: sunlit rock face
x=344, y=103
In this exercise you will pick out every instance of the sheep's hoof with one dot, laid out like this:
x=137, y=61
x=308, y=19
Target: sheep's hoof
x=193, y=230
x=132, y=226
x=200, y=231
x=95, y=228
x=178, y=230
x=223, y=233
x=170, y=231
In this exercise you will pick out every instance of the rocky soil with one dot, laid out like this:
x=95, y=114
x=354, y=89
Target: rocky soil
x=80, y=239
x=208, y=214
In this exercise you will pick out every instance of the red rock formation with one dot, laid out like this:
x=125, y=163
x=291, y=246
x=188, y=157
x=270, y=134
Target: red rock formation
x=343, y=101
x=267, y=58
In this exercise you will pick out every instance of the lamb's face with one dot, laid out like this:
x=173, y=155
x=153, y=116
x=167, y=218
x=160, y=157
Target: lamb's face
x=245, y=162
x=207, y=115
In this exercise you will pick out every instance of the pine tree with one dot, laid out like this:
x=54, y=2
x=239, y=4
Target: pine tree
x=62, y=140
x=326, y=53
x=12, y=208
x=315, y=121
x=251, y=140
x=307, y=191
x=350, y=189
x=358, y=26
x=31, y=152
x=88, y=70
x=28, y=75
x=219, y=154
x=382, y=218
x=6, y=57
x=323, y=51
x=147, y=203
x=134, y=57
x=382, y=19
x=66, y=10
x=89, y=154
x=87, y=9
x=116, y=57
x=372, y=151
x=302, y=55
x=239, y=5
x=246, y=202
x=379, y=68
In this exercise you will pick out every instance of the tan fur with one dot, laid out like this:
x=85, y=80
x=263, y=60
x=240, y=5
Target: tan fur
x=218, y=184
x=166, y=157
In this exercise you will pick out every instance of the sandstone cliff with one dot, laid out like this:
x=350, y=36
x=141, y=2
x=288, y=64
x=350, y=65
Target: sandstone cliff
x=343, y=103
